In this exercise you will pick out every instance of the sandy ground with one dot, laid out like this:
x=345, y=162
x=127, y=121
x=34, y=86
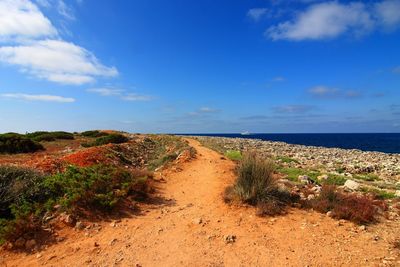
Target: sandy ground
x=189, y=222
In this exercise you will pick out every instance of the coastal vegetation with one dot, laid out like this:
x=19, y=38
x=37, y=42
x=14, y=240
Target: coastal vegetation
x=13, y=143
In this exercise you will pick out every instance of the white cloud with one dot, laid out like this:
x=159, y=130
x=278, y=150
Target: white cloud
x=208, y=110
x=388, y=13
x=292, y=109
x=45, y=98
x=256, y=13
x=104, y=91
x=324, y=20
x=331, y=19
x=56, y=61
x=136, y=97
x=22, y=19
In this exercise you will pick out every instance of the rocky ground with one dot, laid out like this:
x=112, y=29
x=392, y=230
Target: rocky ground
x=188, y=224
x=371, y=168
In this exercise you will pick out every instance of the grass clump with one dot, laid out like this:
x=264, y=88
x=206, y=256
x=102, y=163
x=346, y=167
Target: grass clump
x=360, y=209
x=285, y=159
x=256, y=185
x=293, y=173
x=369, y=177
x=379, y=194
x=15, y=143
x=334, y=179
x=233, y=155
x=108, y=139
x=94, y=134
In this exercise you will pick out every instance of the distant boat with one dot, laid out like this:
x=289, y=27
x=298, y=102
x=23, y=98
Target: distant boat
x=245, y=133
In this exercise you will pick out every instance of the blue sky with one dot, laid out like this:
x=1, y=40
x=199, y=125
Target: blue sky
x=200, y=66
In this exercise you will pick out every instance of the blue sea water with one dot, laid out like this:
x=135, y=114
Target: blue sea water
x=382, y=142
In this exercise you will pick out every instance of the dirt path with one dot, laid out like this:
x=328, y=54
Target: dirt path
x=189, y=225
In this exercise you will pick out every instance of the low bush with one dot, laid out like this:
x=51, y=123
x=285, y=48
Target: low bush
x=50, y=136
x=108, y=139
x=285, y=159
x=256, y=185
x=233, y=155
x=99, y=186
x=15, y=143
x=26, y=195
x=94, y=133
x=360, y=209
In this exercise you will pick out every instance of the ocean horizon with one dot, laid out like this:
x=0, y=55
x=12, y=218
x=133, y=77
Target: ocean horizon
x=378, y=142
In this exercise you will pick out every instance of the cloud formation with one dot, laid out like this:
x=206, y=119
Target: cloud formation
x=106, y=91
x=38, y=50
x=22, y=19
x=45, y=98
x=329, y=20
x=292, y=108
x=330, y=92
x=256, y=13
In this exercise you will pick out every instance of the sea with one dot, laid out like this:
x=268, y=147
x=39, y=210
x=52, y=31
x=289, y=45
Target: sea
x=381, y=142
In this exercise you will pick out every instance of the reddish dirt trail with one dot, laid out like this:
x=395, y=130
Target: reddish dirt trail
x=188, y=226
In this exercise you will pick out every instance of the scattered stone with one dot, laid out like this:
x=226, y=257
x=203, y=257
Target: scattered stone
x=397, y=193
x=304, y=179
x=113, y=241
x=229, y=239
x=351, y=185
x=197, y=221
x=323, y=177
x=79, y=225
x=362, y=228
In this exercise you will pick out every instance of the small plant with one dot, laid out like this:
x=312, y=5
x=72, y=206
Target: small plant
x=108, y=139
x=369, y=177
x=293, y=173
x=94, y=133
x=233, y=155
x=285, y=159
x=256, y=185
x=334, y=179
x=15, y=143
x=356, y=208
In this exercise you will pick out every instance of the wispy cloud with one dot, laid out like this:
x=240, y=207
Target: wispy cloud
x=45, y=98
x=278, y=79
x=122, y=94
x=203, y=111
x=292, y=108
x=331, y=19
x=136, y=97
x=64, y=10
x=396, y=70
x=38, y=50
x=330, y=92
x=256, y=13
x=104, y=91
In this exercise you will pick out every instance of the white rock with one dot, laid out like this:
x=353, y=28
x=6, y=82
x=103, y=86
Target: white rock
x=397, y=193
x=351, y=185
x=323, y=177
x=304, y=179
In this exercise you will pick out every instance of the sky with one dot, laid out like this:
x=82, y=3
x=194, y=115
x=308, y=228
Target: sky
x=200, y=66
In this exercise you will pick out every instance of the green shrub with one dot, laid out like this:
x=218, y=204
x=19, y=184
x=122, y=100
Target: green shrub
x=17, y=186
x=16, y=143
x=335, y=180
x=233, y=155
x=108, y=139
x=293, y=173
x=98, y=186
x=49, y=136
x=26, y=195
x=94, y=133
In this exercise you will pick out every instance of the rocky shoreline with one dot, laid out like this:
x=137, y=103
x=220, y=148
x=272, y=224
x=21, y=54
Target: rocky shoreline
x=345, y=162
